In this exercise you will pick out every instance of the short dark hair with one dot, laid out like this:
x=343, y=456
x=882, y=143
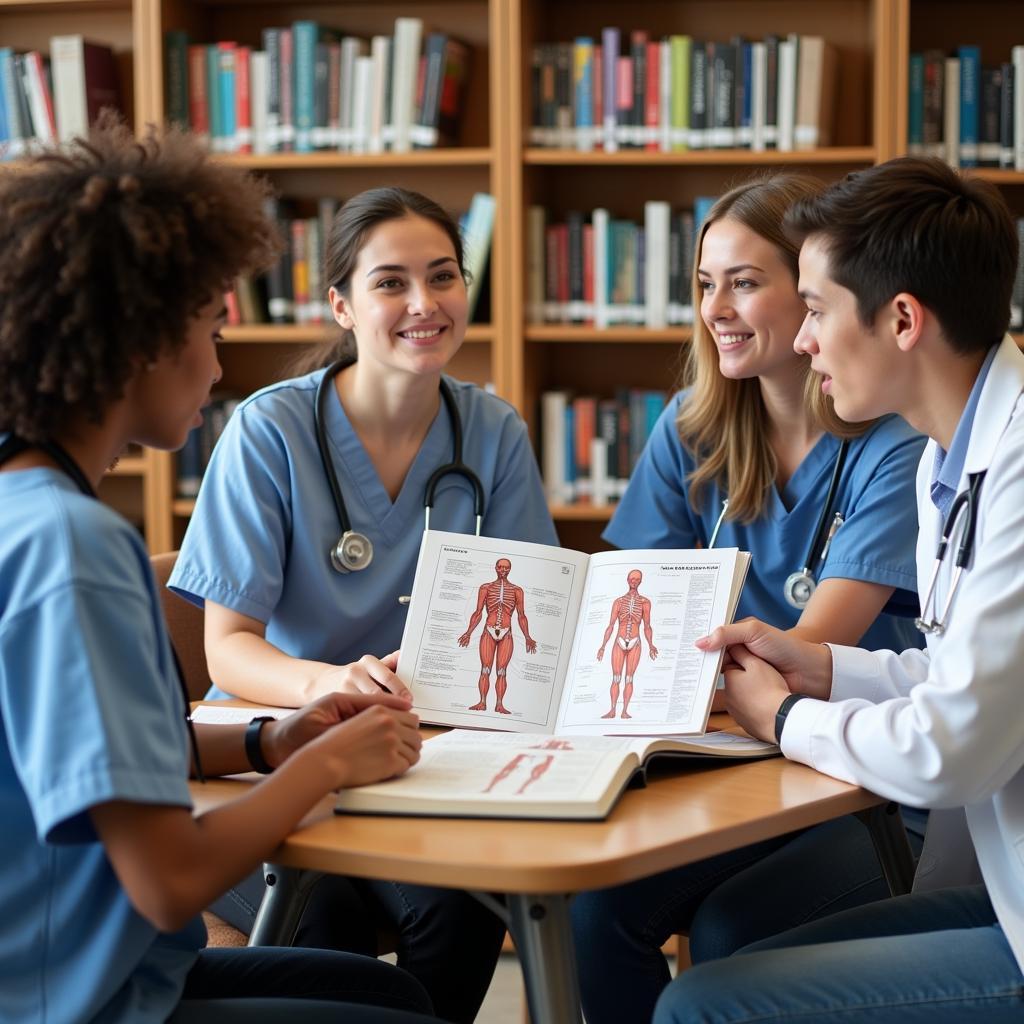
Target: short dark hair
x=108, y=248
x=915, y=225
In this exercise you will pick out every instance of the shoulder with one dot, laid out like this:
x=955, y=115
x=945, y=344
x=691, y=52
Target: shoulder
x=478, y=404
x=282, y=402
x=888, y=434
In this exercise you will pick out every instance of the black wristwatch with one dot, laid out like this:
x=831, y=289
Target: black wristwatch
x=253, y=748
x=784, y=709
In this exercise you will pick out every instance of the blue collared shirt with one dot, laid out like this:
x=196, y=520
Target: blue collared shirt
x=949, y=466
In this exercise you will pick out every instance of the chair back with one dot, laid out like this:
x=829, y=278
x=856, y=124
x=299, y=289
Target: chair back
x=185, y=625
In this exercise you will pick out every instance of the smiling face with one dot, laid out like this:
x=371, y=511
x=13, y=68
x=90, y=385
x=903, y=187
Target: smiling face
x=407, y=300
x=165, y=397
x=749, y=301
x=852, y=359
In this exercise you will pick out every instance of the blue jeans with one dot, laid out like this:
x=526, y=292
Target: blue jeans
x=933, y=958
x=724, y=902
x=447, y=940
x=308, y=986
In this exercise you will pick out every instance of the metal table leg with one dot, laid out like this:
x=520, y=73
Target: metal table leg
x=543, y=936
x=889, y=837
x=287, y=893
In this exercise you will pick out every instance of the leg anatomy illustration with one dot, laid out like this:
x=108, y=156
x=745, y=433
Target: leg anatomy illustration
x=629, y=612
x=498, y=598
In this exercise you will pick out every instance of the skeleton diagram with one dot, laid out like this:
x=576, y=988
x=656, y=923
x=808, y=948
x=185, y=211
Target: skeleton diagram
x=538, y=766
x=628, y=613
x=499, y=599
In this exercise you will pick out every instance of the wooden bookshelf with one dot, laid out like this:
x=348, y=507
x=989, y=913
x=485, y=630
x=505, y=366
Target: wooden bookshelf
x=520, y=359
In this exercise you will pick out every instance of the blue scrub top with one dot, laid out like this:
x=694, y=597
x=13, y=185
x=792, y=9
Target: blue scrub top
x=876, y=543
x=264, y=522
x=92, y=712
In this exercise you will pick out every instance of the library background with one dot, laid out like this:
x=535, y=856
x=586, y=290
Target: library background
x=579, y=150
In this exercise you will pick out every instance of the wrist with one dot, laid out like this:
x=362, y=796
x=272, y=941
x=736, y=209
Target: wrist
x=783, y=712
x=824, y=671
x=254, y=748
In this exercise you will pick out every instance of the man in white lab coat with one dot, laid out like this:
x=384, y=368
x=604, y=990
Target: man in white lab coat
x=907, y=271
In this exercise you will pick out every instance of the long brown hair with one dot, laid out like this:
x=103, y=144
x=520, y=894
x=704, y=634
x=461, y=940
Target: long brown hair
x=724, y=422
x=349, y=231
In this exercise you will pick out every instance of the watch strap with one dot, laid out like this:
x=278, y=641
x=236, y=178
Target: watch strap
x=253, y=746
x=784, y=708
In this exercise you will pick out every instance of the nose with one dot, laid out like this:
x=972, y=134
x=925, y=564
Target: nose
x=715, y=305
x=805, y=343
x=421, y=299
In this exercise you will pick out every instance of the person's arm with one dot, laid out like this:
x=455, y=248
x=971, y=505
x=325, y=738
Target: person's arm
x=611, y=625
x=474, y=619
x=841, y=610
x=244, y=663
x=531, y=644
x=648, y=631
x=172, y=864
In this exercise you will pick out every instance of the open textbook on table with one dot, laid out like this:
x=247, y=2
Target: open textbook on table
x=530, y=638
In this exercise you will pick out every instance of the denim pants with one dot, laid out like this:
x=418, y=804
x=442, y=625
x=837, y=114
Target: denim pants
x=447, y=940
x=724, y=902
x=260, y=985
x=933, y=958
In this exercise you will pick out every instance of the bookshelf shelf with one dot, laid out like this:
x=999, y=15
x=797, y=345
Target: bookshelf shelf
x=183, y=507
x=304, y=334
x=997, y=175
x=700, y=157
x=606, y=335
x=477, y=156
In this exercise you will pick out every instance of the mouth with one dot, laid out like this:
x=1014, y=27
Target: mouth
x=732, y=339
x=424, y=334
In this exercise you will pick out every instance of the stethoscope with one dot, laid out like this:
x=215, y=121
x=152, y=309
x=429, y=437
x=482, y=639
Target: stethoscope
x=14, y=446
x=965, y=502
x=353, y=550
x=800, y=586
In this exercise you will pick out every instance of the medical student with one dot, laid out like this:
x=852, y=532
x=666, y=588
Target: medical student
x=753, y=429
x=283, y=624
x=113, y=258
x=907, y=271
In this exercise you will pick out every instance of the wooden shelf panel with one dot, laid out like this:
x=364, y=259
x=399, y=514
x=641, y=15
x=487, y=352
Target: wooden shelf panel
x=582, y=513
x=700, y=157
x=130, y=465
x=183, y=507
x=476, y=156
x=584, y=333
x=997, y=175
x=305, y=334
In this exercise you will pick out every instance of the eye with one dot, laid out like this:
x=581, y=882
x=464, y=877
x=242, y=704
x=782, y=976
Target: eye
x=704, y=286
x=445, y=276
x=389, y=284
x=814, y=314
x=743, y=283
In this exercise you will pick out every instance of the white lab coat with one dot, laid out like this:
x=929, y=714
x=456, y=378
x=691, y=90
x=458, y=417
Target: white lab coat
x=944, y=728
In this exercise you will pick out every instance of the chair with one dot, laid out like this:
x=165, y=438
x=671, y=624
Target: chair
x=185, y=626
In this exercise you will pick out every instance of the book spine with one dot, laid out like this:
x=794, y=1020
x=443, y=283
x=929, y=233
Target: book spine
x=380, y=54
x=286, y=46
x=272, y=48
x=304, y=39
x=583, y=93
x=744, y=95
x=970, y=104
x=67, y=68
x=320, y=132
x=226, y=81
x=553, y=446
x=243, y=99
x=915, y=105
x=656, y=234
x=40, y=98
x=1006, y=99
x=771, y=92
x=552, y=314
x=788, y=56
x=584, y=409
x=425, y=132
x=988, y=117
x=638, y=52
x=698, y=96
x=405, y=57
x=680, y=49
x=15, y=126
x=652, y=98
x=175, y=77
x=723, y=127
x=278, y=278
x=933, y=112
x=600, y=221
x=1017, y=57
x=574, y=241
x=951, y=117
x=535, y=219
x=300, y=271
x=563, y=96
x=588, y=273
x=258, y=100
x=610, y=42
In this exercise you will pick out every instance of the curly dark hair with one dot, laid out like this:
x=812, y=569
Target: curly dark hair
x=108, y=248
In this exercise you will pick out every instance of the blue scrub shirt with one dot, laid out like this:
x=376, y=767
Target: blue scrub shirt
x=92, y=712
x=876, y=542
x=264, y=522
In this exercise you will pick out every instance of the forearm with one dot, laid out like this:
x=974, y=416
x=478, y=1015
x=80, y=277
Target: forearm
x=249, y=666
x=222, y=749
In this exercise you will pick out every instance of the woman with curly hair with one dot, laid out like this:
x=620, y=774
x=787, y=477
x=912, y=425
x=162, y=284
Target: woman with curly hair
x=113, y=259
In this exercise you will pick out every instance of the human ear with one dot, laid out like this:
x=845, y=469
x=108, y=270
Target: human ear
x=341, y=309
x=906, y=320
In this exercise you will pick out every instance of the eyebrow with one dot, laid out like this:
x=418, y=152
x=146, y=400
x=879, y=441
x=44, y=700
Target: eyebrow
x=734, y=270
x=806, y=293
x=398, y=267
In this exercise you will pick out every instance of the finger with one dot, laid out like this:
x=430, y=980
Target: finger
x=742, y=656
x=737, y=633
x=374, y=698
x=390, y=661
x=385, y=678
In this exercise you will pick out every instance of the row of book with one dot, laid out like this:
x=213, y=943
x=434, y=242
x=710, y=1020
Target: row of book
x=1017, y=298
x=294, y=290
x=49, y=98
x=194, y=456
x=964, y=113
x=600, y=270
x=677, y=93
x=589, y=445
x=312, y=88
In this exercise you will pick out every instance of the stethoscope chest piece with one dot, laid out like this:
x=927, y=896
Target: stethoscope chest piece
x=354, y=551
x=799, y=588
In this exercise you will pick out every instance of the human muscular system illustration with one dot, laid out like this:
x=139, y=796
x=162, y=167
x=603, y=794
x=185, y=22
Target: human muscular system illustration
x=539, y=764
x=499, y=598
x=628, y=613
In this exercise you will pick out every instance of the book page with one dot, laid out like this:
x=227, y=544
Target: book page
x=634, y=669
x=504, y=774
x=489, y=631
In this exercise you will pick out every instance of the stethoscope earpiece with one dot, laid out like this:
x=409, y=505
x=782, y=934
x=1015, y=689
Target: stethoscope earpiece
x=354, y=551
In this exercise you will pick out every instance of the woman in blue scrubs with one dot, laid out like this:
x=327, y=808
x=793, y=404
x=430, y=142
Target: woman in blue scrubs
x=753, y=428
x=282, y=624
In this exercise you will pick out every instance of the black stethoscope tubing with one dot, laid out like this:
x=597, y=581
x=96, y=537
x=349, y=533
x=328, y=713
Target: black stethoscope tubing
x=13, y=446
x=967, y=502
x=354, y=551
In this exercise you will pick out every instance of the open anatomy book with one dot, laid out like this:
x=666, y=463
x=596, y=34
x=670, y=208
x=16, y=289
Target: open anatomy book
x=468, y=773
x=536, y=639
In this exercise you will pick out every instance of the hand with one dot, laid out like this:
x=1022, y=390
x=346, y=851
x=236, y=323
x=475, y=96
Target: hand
x=378, y=742
x=531, y=646
x=367, y=675
x=652, y=651
x=282, y=737
x=600, y=653
x=753, y=692
x=805, y=667
x=464, y=639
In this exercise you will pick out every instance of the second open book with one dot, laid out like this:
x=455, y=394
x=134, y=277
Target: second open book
x=530, y=638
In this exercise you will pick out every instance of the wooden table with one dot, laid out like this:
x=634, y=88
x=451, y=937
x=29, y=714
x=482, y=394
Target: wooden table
x=682, y=816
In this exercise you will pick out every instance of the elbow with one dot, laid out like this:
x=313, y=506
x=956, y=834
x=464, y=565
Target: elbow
x=168, y=907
